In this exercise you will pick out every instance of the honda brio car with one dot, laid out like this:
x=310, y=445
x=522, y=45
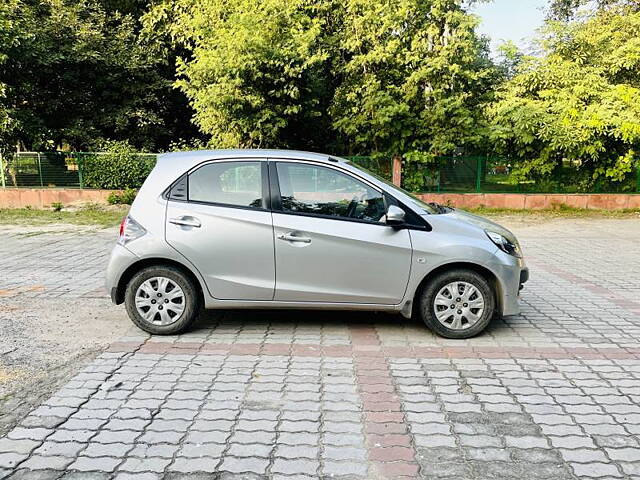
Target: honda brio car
x=232, y=229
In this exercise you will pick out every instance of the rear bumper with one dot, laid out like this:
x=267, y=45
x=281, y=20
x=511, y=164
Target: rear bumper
x=121, y=258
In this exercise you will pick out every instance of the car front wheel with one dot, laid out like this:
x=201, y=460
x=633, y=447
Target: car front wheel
x=162, y=300
x=457, y=304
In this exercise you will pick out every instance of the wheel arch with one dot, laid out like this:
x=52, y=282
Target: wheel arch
x=491, y=277
x=134, y=268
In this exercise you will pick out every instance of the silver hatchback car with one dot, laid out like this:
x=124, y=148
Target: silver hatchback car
x=286, y=229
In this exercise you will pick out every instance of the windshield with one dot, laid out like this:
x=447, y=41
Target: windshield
x=431, y=209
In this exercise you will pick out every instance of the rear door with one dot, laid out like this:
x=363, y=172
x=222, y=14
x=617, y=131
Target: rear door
x=224, y=228
x=331, y=242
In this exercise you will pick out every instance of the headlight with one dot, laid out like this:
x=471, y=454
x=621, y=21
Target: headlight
x=504, y=244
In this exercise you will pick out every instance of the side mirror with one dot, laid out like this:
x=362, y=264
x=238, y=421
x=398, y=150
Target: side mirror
x=395, y=216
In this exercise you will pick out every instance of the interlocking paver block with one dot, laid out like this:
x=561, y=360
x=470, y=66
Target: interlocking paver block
x=151, y=464
x=249, y=450
x=526, y=442
x=291, y=467
x=17, y=446
x=190, y=465
x=100, y=464
x=24, y=474
x=11, y=459
x=595, y=470
x=241, y=465
x=336, y=469
x=38, y=462
x=344, y=453
x=624, y=454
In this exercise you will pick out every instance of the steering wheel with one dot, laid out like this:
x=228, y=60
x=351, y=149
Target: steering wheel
x=351, y=209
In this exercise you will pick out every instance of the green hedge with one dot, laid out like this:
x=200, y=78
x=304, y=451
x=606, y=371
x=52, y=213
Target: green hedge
x=119, y=169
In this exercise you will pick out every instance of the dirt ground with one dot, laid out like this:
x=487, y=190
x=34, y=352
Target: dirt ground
x=43, y=342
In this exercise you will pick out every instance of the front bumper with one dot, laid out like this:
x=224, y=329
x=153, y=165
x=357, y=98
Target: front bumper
x=524, y=277
x=511, y=273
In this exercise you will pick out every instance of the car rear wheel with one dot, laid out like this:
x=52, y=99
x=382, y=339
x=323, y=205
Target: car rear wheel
x=457, y=304
x=162, y=300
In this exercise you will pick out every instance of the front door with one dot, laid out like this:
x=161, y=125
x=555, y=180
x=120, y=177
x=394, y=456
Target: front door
x=331, y=242
x=225, y=229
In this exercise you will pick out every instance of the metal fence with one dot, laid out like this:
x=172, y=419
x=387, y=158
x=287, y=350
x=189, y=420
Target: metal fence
x=474, y=174
x=382, y=167
x=50, y=169
x=461, y=174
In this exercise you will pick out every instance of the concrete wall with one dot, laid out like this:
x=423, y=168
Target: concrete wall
x=44, y=197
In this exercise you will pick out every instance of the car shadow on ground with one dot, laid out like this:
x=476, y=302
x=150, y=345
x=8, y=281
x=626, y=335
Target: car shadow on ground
x=308, y=319
x=315, y=321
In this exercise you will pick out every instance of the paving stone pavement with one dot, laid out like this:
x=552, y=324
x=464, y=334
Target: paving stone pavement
x=552, y=393
x=47, y=265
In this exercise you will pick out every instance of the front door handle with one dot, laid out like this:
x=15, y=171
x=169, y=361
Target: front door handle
x=289, y=237
x=186, y=221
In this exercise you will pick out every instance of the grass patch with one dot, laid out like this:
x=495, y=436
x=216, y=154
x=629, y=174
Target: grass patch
x=561, y=211
x=88, y=215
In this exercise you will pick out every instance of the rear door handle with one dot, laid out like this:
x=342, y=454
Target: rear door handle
x=289, y=237
x=186, y=221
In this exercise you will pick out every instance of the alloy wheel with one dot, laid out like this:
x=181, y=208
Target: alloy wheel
x=160, y=301
x=459, y=305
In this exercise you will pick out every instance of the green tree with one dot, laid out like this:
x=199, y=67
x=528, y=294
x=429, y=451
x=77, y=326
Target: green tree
x=509, y=59
x=414, y=79
x=79, y=74
x=12, y=32
x=578, y=105
x=255, y=71
x=565, y=10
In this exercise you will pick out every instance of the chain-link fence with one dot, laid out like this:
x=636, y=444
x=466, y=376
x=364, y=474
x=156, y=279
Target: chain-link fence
x=56, y=169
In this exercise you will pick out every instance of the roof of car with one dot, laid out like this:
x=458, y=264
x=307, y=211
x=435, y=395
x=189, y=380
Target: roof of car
x=195, y=156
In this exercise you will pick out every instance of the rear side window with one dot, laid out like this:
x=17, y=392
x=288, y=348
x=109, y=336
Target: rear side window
x=228, y=183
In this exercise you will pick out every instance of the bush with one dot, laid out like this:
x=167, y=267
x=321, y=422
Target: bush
x=56, y=206
x=121, y=167
x=125, y=197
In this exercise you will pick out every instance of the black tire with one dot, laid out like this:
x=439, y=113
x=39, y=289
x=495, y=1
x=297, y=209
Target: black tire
x=191, y=300
x=427, y=307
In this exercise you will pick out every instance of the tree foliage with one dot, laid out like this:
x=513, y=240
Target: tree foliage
x=358, y=76
x=578, y=105
x=75, y=72
x=565, y=10
x=255, y=69
x=414, y=79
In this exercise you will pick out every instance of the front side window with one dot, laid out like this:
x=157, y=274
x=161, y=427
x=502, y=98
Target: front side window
x=227, y=183
x=320, y=190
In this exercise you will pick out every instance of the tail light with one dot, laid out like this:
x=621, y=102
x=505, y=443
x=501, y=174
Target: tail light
x=129, y=230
